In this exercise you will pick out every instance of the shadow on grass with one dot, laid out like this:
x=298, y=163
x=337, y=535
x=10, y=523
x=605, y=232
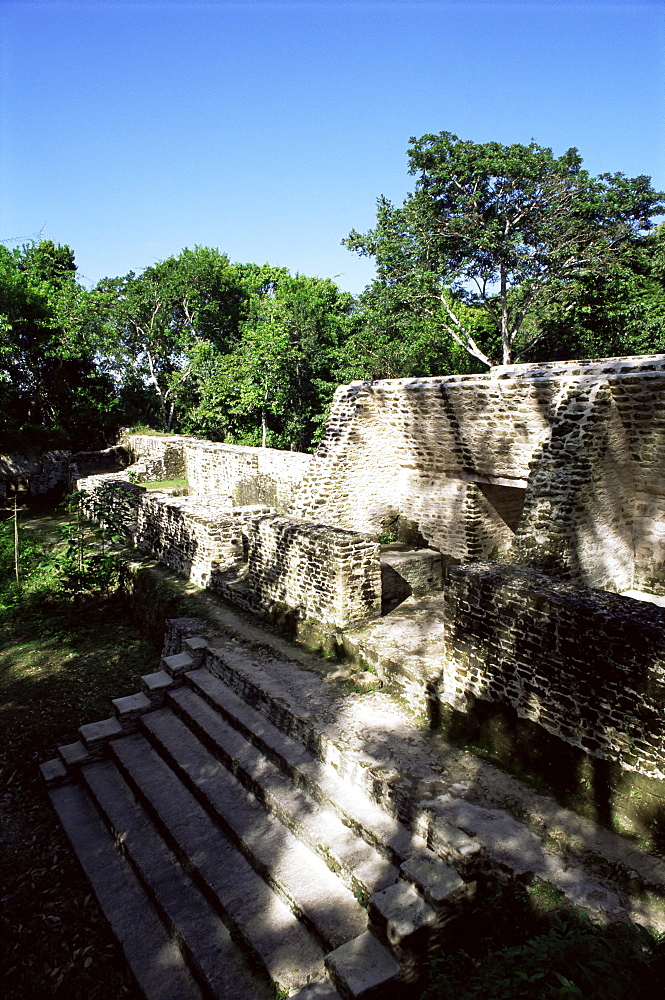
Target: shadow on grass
x=60, y=662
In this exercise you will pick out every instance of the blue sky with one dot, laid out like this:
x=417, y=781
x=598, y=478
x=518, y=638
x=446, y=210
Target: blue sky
x=130, y=130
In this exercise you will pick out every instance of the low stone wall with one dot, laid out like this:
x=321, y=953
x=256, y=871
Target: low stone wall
x=163, y=457
x=588, y=666
x=198, y=537
x=35, y=474
x=246, y=475
x=107, y=459
x=314, y=571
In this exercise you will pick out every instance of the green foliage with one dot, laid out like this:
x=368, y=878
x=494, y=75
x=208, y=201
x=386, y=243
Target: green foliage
x=153, y=319
x=274, y=386
x=52, y=392
x=523, y=945
x=509, y=229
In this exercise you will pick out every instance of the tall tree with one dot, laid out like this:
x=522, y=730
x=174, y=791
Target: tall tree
x=274, y=387
x=51, y=390
x=507, y=228
x=154, y=319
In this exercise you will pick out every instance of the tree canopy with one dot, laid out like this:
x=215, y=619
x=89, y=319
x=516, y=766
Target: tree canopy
x=501, y=253
x=510, y=229
x=51, y=390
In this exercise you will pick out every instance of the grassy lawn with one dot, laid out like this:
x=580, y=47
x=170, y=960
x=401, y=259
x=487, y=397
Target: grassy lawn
x=163, y=484
x=62, y=659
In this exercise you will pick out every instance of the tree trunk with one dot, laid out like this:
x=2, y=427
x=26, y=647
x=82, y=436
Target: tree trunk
x=506, y=339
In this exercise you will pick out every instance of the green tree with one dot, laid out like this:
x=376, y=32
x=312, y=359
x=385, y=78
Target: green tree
x=274, y=387
x=620, y=312
x=154, y=319
x=52, y=392
x=394, y=335
x=510, y=229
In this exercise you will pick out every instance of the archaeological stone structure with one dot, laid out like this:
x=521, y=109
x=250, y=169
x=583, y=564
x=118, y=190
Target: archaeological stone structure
x=527, y=505
x=259, y=820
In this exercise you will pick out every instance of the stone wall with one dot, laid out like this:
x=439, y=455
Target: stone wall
x=318, y=572
x=246, y=475
x=35, y=474
x=163, y=457
x=587, y=666
x=584, y=441
x=198, y=537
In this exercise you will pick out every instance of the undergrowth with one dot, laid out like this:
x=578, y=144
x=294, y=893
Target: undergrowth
x=67, y=646
x=522, y=943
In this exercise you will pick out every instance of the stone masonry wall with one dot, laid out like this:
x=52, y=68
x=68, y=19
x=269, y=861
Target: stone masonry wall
x=197, y=537
x=322, y=573
x=163, y=457
x=245, y=475
x=35, y=474
x=585, y=440
x=587, y=666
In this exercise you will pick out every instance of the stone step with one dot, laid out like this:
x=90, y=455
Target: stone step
x=302, y=705
x=350, y=801
x=259, y=918
x=156, y=962
x=214, y=958
x=363, y=969
x=314, y=893
x=358, y=864
x=155, y=686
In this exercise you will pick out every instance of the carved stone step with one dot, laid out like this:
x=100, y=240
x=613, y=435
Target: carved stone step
x=324, y=904
x=153, y=957
x=258, y=916
x=358, y=811
x=191, y=919
x=156, y=685
x=363, y=969
x=360, y=865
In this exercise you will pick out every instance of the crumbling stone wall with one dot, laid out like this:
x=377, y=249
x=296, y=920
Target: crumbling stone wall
x=585, y=441
x=35, y=474
x=246, y=475
x=198, y=537
x=588, y=666
x=322, y=573
x=163, y=457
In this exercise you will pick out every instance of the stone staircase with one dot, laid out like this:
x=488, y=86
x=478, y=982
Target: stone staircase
x=238, y=851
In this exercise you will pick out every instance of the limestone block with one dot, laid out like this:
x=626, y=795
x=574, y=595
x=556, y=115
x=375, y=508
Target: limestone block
x=401, y=918
x=362, y=969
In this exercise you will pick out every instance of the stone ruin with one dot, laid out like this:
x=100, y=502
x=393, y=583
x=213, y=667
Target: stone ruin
x=523, y=508
x=491, y=541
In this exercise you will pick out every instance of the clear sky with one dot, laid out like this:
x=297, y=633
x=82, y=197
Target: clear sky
x=130, y=130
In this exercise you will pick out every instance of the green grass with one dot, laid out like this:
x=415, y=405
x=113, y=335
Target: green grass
x=163, y=484
x=62, y=658
x=144, y=429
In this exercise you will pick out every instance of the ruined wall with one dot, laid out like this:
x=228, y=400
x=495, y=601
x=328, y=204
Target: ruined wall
x=585, y=441
x=587, y=666
x=163, y=457
x=35, y=474
x=320, y=572
x=197, y=537
x=246, y=475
